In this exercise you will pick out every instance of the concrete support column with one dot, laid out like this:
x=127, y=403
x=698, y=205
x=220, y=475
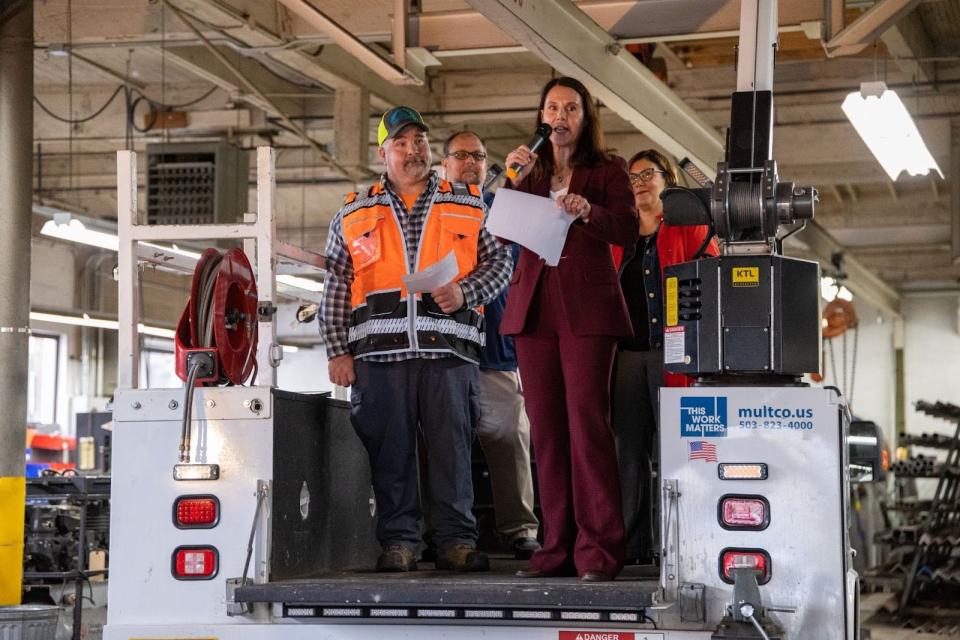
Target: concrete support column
x=900, y=385
x=953, y=175
x=351, y=126
x=16, y=196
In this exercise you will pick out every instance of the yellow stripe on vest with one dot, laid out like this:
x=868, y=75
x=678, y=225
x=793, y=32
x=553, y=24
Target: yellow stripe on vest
x=12, y=498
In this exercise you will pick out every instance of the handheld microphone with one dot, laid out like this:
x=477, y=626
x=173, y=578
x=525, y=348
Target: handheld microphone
x=539, y=137
x=492, y=174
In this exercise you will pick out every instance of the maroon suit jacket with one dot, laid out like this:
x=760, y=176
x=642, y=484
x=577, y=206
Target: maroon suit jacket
x=592, y=299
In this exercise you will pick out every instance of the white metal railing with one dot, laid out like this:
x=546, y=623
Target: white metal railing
x=259, y=234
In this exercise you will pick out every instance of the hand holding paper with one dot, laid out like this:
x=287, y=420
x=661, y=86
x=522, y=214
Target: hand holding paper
x=448, y=297
x=532, y=221
x=435, y=276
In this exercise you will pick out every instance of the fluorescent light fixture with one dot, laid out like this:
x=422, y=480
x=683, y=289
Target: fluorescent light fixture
x=829, y=290
x=85, y=320
x=71, y=229
x=75, y=231
x=881, y=119
x=301, y=283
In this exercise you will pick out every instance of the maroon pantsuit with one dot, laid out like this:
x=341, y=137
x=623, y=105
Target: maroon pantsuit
x=565, y=320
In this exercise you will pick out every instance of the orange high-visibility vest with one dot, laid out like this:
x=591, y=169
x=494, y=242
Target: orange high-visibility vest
x=385, y=318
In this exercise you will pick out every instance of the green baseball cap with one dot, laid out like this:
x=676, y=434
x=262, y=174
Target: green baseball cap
x=396, y=119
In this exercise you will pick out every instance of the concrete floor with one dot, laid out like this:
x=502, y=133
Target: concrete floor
x=873, y=610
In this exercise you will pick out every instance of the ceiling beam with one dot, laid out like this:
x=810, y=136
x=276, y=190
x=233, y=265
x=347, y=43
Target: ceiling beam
x=257, y=91
x=107, y=71
x=330, y=66
x=202, y=62
x=909, y=43
x=567, y=39
x=317, y=19
x=571, y=42
x=883, y=212
x=860, y=280
x=627, y=20
x=866, y=29
x=339, y=68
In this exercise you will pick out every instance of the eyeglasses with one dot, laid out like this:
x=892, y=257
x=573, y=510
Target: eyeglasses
x=645, y=176
x=479, y=156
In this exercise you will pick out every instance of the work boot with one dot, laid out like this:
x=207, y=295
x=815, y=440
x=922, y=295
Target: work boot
x=462, y=557
x=524, y=547
x=396, y=557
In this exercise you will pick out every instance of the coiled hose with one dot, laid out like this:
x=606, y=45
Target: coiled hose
x=205, y=311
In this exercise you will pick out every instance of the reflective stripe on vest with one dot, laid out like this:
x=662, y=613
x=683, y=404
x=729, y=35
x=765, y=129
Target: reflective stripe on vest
x=381, y=319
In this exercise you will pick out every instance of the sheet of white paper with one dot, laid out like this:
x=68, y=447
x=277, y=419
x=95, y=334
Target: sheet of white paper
x=436, y=275
x=532, y=221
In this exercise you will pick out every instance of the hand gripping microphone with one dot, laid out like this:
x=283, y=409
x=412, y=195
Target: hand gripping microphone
x=539, y=137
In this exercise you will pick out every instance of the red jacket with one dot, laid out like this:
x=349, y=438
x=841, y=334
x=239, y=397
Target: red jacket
x=592, y=299
x=676, y=245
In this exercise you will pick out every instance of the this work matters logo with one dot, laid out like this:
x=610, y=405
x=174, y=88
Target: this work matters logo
x=703, y=417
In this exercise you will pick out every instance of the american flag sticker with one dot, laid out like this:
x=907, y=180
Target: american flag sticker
x=700, y=450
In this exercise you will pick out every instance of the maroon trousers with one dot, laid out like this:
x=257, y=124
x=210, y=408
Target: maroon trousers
x=566, y=383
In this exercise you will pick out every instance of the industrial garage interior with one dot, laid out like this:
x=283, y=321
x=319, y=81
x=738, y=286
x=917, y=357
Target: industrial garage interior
x=198, y=90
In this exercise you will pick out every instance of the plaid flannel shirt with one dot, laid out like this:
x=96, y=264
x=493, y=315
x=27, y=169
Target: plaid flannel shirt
x=482, y=285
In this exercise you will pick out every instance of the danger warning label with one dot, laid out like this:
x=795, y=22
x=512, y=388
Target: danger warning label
x=597, y=635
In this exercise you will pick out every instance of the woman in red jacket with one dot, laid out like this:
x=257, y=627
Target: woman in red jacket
x=566, y=321
x=638, y=372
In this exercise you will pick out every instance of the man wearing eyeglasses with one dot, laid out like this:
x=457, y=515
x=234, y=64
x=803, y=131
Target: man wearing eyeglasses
x=411, y=359
x=503, y=429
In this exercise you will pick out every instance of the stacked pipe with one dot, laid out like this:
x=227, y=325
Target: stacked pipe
x=920, y=466
x=945, y=410
x=931, y=440
x=910, y=506
x=898, y=536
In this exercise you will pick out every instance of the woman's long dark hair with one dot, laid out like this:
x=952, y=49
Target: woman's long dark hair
x=590, y=150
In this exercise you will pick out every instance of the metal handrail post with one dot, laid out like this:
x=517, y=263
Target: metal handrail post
x=261, y=230
x=128, y=282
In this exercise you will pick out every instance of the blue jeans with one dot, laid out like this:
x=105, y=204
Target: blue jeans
x=390, y=401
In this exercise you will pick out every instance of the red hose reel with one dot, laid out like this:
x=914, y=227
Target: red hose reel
x=216, y=339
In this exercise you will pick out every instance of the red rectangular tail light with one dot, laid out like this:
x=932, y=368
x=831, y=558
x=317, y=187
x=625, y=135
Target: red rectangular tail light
x=196, y=512
x=195, y=563
x=740, y=512
x=756, y=559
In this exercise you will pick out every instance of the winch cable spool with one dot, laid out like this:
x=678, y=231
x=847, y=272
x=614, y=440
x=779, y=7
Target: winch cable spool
x=221, y=319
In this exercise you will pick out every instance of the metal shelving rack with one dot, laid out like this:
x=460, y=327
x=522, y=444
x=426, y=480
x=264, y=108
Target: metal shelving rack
x=933, y=576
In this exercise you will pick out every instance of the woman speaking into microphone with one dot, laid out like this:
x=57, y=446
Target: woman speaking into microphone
x=566, y=321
